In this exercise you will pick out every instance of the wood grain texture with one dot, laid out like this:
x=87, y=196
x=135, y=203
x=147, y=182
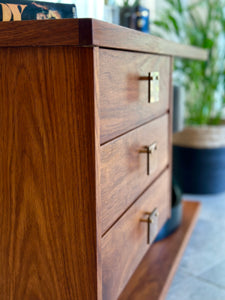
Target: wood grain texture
x=39, y=33
x=124, y=96
x=154, y=275
x=113, y=36
x=124, y=169
x=90, y=32
x=47, y=178
x=126, y=243
x=97, y=172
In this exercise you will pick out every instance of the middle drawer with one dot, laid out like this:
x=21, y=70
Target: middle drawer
x=124, y=167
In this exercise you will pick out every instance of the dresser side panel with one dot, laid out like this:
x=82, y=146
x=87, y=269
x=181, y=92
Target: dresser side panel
x=47, y=179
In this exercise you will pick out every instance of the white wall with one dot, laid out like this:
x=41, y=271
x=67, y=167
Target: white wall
x=86, y=8
x=90, y=9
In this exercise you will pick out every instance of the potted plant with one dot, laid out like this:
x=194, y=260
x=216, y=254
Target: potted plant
x=199, y=150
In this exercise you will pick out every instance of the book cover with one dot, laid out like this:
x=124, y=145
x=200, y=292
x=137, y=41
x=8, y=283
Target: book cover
x=12, y=10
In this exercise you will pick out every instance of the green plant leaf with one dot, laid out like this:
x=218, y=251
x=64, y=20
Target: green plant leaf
x=175, y=25
x=180, y=7
x=162, y=25
x=202, y=80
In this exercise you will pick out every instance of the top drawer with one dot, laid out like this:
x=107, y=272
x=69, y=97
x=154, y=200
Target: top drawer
x=124, y=90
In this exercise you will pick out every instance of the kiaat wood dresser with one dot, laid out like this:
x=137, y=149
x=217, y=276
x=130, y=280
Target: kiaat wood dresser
x=85, y=114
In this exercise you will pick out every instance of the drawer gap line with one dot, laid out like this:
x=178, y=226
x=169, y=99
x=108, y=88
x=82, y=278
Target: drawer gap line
x=142, y=124
x=163, y=170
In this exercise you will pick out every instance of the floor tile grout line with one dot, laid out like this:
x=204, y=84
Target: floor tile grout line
x=214, y=264
x=203, y=279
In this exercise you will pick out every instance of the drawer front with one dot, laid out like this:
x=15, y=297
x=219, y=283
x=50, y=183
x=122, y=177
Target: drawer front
x=124, y=90
x=126, y=242
x=124, y=167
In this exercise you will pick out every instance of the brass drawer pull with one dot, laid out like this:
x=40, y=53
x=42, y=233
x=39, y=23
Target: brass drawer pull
x=153, y=86
x=149, y=150
x=152, y=222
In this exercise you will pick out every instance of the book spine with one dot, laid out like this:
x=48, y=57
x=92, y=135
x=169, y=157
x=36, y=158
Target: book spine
x=13, y=10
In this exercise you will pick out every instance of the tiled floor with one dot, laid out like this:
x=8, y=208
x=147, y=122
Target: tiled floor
x=201, y=273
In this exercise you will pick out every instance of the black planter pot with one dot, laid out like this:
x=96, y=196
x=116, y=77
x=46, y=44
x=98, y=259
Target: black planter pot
x=199, y=171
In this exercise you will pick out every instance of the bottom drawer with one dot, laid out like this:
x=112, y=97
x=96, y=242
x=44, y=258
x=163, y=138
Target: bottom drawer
x=126, y=242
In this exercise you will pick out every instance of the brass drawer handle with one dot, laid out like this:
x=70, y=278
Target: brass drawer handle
x=152, y=222
x=153, y=86
x=149, y=150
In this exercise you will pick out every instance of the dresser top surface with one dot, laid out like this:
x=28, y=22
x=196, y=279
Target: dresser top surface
x=90, y=32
